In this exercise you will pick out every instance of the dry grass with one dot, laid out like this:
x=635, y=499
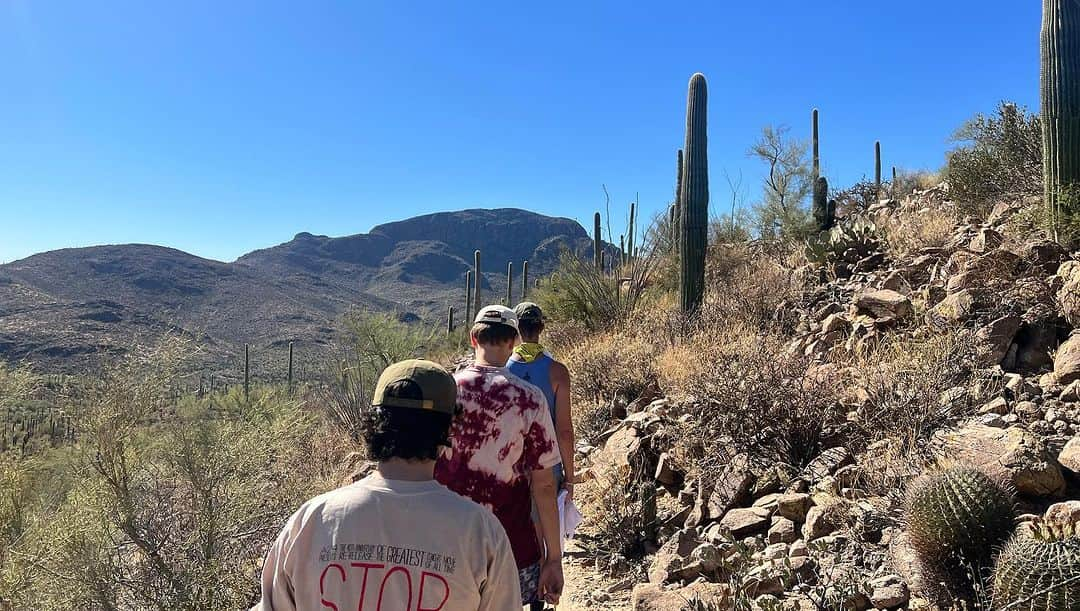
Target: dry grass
x=908, y=230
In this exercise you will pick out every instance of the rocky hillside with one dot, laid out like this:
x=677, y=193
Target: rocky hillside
x=904, y=358
x=62, y=309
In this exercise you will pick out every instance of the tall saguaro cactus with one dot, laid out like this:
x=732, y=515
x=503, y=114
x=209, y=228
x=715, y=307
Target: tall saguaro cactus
x=817, y=149
x=468, y=296
x=630, y=240
x=525, y=281
x=290, y=365
x=821, y=210
x=247, y=370
x=477, y=281
x=1059, y=94
x=597, y=243
x=509, y=284
x=877, y=166
x=450, y=320
x=694, y=199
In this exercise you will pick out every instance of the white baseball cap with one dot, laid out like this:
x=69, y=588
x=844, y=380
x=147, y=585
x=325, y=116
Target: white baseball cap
x=497, y=314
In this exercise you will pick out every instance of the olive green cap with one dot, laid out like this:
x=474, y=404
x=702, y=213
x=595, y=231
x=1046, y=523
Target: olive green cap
x=527, y=310
x=438, y=391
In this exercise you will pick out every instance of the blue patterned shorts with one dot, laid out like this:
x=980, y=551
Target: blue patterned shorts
x=529, y=578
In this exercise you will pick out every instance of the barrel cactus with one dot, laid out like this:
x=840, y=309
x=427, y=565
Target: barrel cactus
x=1059, y=92
x=694, y=200
x=956, y=519
x=1039, y=568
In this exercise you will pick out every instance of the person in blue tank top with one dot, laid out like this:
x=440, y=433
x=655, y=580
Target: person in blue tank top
x=533, y=364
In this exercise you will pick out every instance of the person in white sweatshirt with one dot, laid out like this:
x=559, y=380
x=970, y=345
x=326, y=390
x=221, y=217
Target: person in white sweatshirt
x=396, y=539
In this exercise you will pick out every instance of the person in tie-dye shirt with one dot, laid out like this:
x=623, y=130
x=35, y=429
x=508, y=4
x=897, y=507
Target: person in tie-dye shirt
x=502, y=454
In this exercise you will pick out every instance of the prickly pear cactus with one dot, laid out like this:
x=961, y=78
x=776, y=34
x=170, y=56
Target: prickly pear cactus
x=1039, y=568
x=956, y=520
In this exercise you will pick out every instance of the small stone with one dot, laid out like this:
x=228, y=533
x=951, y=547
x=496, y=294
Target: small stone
x=708, y=556
x=994, y=420
x=817, y=524
x=794, y=505
x=1067, y=361
x=998, y=406
x=775, y=551
x=798, y=549
x=1027, y=410
x=1065, y=514
x=666, y=472
x=743, y=522
x=883, y=304
x=888, y=592
x=783, y=530
x=1070, y=455
x=827, y=463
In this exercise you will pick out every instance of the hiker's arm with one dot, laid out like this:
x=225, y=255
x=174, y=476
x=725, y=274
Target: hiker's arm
x=544, y=495
x=564, y=422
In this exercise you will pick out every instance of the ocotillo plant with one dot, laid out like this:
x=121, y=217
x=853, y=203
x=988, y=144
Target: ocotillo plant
x=477, y=281
x=247, y=370
x=1059, y=94
x=822, y=218
x=509, y=284
x=525, y=281
x=596, y=249
x=676, y=209
x=817, y=150
x=694, y=199
x=877, y=166
x=468, y=296
x=450, y=320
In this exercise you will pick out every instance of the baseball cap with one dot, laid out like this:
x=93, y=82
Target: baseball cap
x=527, y=310
x=437, y=389
x=497, y=314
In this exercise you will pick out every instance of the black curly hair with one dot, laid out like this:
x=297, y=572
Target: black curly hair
x=404, y=432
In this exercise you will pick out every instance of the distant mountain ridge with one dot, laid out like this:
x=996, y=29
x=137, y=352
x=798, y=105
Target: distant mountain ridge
x=65, y=307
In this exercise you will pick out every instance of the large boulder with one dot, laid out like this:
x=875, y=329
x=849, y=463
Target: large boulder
x=1012, y=453
x=994, y=338
x=1070, y=455
x=732, y=487
x=883, y=305
x=746, y=521
x=674, y=556
x=955, y=308
x=1068, y=295
x=1067, y=360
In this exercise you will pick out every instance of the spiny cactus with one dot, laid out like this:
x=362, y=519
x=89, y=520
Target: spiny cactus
x=955, y=520
x=477, y=281
x=509, y=284
x=1039, y=568
x=525, y=281
x=597, y=247
x=290, y=379
x=877, y=166
x=450, y=320
x=1059, y=93
x=817, y=150
x=630, y=240
x=821, y=209
x=468, y=296
x=694, y=199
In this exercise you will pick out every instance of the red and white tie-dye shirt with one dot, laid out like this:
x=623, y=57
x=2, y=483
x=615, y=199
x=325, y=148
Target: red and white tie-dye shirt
x=503, y=434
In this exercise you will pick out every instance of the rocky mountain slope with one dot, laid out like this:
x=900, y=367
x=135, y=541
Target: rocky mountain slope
x=63, y=309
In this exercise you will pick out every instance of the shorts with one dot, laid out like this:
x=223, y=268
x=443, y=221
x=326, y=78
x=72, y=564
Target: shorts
x=529, y=578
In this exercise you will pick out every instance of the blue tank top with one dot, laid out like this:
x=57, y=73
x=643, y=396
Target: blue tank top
x=537, y=373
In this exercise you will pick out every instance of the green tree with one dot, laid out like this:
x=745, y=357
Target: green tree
x=782, y=212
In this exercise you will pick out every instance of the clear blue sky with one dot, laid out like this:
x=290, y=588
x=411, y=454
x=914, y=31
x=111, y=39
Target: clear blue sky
x=220, y=127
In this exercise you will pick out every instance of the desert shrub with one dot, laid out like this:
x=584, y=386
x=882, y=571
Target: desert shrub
x=748, y=289
x=907, y=230
x=997, y=155
x=578, y=291
x=16, y=384
x=168, y=513
x=908, y=181
x=855, y=199
x=746, y=388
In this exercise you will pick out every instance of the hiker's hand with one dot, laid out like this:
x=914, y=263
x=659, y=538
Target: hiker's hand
x=551, y=580
x=569, y=488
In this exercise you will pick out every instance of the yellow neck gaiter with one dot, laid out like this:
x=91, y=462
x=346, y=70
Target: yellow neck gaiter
x=528, y=351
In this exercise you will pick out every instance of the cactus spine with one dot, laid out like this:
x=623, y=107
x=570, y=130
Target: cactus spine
x=477, y=279
x=821, y=210
x=509, y=284
x=817, y=150
x=694, y=199
x=596, y=248
x=468, y=296
x=1039, y=568
x=525, y=281
x=877, y=166
x=1059, y=93
x=956, y=519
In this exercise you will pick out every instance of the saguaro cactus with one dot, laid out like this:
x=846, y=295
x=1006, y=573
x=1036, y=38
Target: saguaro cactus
x=596, y=248
x=509, y=284
x=622, y=250
x=468, y=296
x=1059, y=93
x=694, y=199
x=877, y=166
x=247, y=370
x=477, y=281
x=817, y=150
x=633, y=229
x=450, y=320
x=525, y=281
x=821, y=209
x=290, y=380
